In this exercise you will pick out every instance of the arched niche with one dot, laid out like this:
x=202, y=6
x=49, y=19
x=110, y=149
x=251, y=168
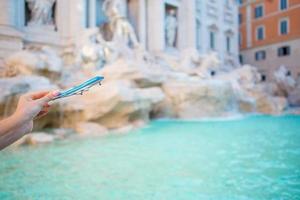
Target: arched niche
x=167, y=9
x=27, y=15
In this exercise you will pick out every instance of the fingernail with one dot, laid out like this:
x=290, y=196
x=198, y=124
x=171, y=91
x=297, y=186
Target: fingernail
x=55, y=93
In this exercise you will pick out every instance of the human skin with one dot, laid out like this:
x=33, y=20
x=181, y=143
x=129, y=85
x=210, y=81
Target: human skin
x=30, y=107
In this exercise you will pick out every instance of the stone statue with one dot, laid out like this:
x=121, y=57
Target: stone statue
x=108, y=51
x=93, y=52
x=171, y=25
x=121, y=28
x=40, y=12
x=209, y=66
x=284, y=81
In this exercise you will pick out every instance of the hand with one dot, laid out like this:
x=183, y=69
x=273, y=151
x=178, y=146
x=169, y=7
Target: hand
x=34, y=105
x=30, y=106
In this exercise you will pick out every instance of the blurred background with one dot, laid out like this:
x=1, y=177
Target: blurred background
x=200, y=99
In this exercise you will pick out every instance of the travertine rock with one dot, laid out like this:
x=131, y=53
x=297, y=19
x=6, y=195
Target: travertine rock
x=196, y=99
x=42, y=61
x=61, y=133
x=123, y=130
x=116, y=103
x=271, y=105
x=91, y=129
x=246, y=105
x=244, y=78
x=143, y=75
x=135, y=90
x=285, y=83
x=210, y=65
x=38, y=138
x=294, y=97
x=189, y=60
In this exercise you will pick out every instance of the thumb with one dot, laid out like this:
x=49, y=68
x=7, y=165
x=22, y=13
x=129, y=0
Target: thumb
x=47, y=97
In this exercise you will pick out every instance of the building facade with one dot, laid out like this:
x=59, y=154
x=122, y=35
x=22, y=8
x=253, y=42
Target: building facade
x=270, y=35
x=206, y=25
x=216, y=29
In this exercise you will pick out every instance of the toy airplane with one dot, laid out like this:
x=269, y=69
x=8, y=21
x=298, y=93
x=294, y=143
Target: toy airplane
x=79, y=89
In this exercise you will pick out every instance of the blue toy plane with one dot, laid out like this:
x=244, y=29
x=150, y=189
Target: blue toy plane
x=79, y=89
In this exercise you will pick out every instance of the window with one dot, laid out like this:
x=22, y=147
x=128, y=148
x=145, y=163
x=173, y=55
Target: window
x=263, y=78
x=228, y=44
x=283, y=27
x=212, y=37
x=240, y=39
x=260, y=55
x=283, y=4
x=260, y=33
x=241, y=58
x=284, y=51
x=259, y=11
x=240, y=18
x=198, y=34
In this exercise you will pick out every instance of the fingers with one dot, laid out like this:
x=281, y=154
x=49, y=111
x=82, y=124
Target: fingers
x=48, y=97
x=42, y=114
x=38, y=95
x=46, y=105
x=45, y=109
x=35, y=95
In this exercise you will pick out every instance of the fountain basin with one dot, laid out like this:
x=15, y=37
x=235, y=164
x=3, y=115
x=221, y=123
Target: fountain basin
x=251, y=158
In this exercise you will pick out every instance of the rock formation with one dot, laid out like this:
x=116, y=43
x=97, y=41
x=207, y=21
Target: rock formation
x=43, y=61
x=286, y=86
x=138, y=90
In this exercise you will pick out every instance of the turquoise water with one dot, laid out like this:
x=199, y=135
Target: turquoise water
x=253, y=158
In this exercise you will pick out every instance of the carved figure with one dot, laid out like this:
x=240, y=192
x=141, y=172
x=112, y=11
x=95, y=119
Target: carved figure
x=41, y=12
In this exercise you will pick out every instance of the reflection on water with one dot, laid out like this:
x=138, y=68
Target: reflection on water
x=254, y=158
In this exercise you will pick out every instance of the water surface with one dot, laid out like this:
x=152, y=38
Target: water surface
x=253, y=158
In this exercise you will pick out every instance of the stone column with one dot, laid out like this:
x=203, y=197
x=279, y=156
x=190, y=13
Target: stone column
x=63, y=18
x=235, y=43
x=70, y=20
x=92, y=14
x=142, y=23
x=10, y=37
x=187, y=25
x=156, y=18
x=7, y=14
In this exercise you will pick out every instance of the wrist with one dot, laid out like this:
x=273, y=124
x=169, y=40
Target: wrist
x=19, y=118
x=23, y=122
